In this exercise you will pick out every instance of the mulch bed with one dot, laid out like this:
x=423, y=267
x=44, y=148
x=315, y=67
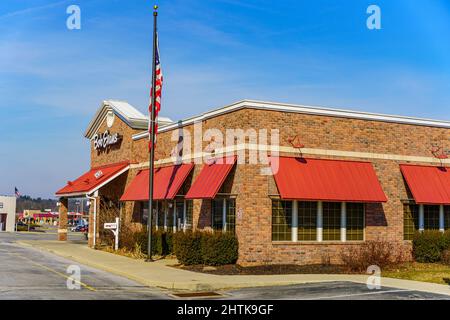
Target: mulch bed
x=266, y=269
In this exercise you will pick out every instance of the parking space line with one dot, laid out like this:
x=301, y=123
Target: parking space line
x=54, y=271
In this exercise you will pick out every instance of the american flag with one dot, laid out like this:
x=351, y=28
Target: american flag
x=16, y=192
x=158, y=87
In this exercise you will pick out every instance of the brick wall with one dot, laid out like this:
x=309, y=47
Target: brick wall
x=252, y=190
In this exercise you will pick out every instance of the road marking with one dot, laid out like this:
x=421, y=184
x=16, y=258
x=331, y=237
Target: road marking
x=360, y=294
x=54, y=271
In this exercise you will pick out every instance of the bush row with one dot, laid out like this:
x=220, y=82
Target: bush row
x=206, y=248
x=162, y=242
x=430, y=246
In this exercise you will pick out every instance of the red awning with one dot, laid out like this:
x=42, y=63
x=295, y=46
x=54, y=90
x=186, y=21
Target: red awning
x=93, y=179
x=211, y=178
x=166, y=184
x=326, y=180
x=428, y=184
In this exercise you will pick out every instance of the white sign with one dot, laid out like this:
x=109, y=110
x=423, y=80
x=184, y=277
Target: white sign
x=110, y=226
x=104, y=140
x=114, y=227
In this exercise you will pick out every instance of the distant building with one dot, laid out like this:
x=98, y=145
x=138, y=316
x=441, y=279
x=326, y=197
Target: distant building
x=7, y=213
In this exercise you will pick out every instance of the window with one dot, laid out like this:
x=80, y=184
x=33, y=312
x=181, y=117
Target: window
x=160, y=210
x=410, y=220
x=447, y=217
x=169, y=216
x=355, y=221
x=179, y=205
x=189, y=211
x=431, y=217
x=144, y=212
x=217, y=214
x=231, y=215
x=331, y=221
x=307, y=221
x=281, y=220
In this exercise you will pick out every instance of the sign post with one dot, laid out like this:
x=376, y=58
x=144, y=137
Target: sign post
x=114, y=227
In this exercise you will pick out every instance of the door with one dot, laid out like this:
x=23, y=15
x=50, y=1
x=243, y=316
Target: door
x=2, y=221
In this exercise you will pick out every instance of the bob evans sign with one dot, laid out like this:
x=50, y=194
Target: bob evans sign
x=106, y=139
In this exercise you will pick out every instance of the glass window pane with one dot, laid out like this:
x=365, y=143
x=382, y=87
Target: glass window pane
x=410, y=220
x=169, y=219
x=331, y=221
x=231, y=215
x=179, y=215
x=189, y=211
x=160, y=209
x=144, y=214
x=217, y=214
x=281, y=220
x=355, y=222
x=307, y=221
x=431, y=217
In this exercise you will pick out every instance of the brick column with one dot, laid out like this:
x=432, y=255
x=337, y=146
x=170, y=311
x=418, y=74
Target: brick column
x=62, y=229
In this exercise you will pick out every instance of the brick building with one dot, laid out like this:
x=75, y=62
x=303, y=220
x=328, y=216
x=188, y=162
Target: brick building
x=296, y=184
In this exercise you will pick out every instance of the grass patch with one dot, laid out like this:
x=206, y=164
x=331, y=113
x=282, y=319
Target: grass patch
x=426, y=272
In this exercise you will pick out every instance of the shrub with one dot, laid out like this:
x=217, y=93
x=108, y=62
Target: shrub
x=445, y=257
x=379, y=253
x=429, y=245
x=446, y=240
x=161, y=242
x=219, y=248
x=168, y=243
x=187, y=247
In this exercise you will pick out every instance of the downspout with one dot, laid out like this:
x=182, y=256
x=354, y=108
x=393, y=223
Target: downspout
x=95, y=217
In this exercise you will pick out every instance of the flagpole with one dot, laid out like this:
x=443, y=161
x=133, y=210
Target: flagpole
x=152, y=140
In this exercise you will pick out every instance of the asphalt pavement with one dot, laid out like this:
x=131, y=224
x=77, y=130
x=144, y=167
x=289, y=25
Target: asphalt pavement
x=28, y=273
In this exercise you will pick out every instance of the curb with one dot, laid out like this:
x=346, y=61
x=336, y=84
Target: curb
x=197, y=285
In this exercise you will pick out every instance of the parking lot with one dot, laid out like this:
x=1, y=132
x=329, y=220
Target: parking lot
x=29, y=273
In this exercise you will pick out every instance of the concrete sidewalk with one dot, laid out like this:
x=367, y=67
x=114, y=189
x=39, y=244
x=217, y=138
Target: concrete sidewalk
x=160, y=274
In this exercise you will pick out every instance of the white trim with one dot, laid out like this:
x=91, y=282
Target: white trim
x=175, y=217
x=166, y=213
x=290, y=150
x=95, y=188
x=319, y=221
x=421, y=218
x=184, y=215
x=343, y=221
x=291, y=108
x=224, y=215
x=295, y=221
x=441, y=218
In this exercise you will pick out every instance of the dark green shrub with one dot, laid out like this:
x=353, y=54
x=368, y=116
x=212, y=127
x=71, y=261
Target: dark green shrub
x=428, y=246
x=187, y=247
x=168, y=243
x=219, y=248
x=161, y=241
x=205, y=248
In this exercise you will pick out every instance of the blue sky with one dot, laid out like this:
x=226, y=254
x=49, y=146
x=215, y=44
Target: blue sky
x=213, y=53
